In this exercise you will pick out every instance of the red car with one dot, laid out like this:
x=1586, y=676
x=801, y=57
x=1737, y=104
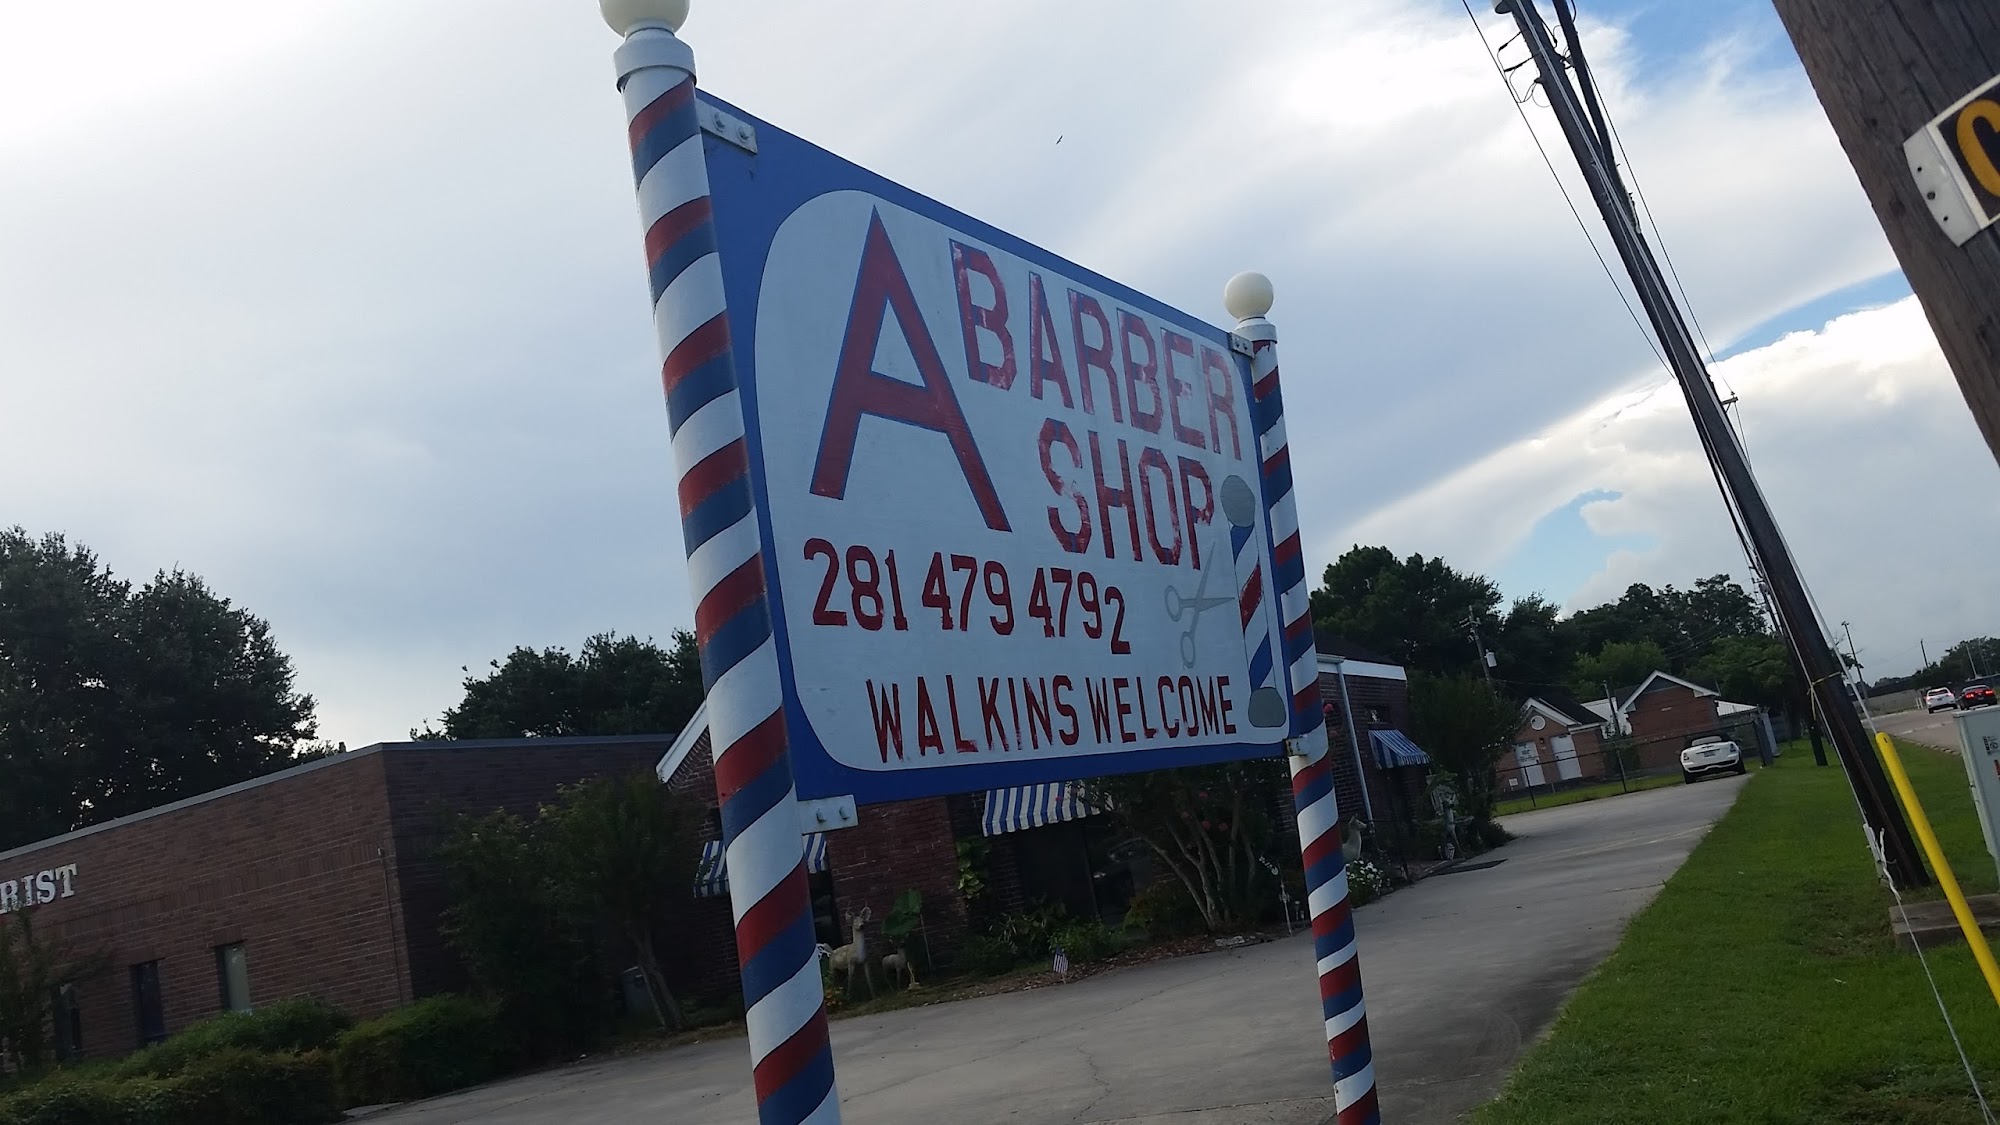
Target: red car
x=1976, y=695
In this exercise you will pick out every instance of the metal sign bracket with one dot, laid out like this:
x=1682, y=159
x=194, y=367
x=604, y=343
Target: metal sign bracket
x=732, y=129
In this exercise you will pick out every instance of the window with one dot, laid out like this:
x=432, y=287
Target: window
x=68, y=1021
x=146, y=1011
x=232, y=973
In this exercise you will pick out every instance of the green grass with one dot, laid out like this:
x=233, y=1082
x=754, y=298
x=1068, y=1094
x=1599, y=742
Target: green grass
x=1762, y=985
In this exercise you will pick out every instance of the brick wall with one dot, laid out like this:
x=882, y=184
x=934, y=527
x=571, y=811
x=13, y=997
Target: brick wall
x=1378, y=704
x=1591, y=762
x=298, y=868
x=429, y=783
x=1665, y=720
x=897, y=847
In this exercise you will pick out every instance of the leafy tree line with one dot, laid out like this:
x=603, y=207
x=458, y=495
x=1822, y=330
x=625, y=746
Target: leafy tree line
x=115, y=698
x=1421, y=612
x=1970, y=659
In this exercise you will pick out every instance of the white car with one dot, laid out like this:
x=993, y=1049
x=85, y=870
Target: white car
x=1940, y=699
x=1717, y=756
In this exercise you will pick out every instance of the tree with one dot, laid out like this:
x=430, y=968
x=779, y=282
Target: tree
x=1621, y=664
x=1208, y=825
x=32, y=967
x=114, y=700
x=614, y=685
x=1531, y=647
x=1413, y=610
x=1465, y=726
x=630, y=844
x=1751, y=670
x=523, y=930
x=1969, y=659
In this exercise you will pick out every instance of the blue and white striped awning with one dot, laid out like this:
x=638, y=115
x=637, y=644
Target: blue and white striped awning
x=711, y=879
x=1393, y=748
x=1031, y=806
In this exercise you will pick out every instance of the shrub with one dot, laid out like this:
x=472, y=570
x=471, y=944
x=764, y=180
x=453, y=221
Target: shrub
x=302, y=1023
x=1028, y=932
x=1164, y=909
x=1491, y=835
x=1086, y=942
x=433, y=1046
x=82, y=1101
x=232, y=1086
x=986, y=954
x=245, y=1087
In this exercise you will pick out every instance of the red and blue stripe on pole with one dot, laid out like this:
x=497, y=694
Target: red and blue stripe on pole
x=1334, y=946
x=791, y=1055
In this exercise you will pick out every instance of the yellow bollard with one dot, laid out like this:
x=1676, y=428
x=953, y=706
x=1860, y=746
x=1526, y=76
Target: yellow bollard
x=1981, y=952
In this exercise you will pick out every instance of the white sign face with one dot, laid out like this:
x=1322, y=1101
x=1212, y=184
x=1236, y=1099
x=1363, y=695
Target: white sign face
x=1016, y=518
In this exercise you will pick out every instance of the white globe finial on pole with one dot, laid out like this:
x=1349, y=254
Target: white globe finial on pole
x=1248, y=295
x=627, y=16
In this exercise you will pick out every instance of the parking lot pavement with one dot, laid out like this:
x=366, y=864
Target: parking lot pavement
x=1940, y=729
x=1462, y=972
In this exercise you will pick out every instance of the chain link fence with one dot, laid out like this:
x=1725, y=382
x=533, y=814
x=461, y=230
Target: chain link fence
x=1535, y=777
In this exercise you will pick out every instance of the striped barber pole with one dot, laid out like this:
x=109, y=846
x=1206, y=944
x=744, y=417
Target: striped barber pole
x=1243, y=543
x=791, y=1056
x=1312, y=766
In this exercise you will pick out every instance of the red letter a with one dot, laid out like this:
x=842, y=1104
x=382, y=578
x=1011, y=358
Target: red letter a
x=858, y=389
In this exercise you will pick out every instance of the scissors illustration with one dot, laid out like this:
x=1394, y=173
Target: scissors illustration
x=1180, y=605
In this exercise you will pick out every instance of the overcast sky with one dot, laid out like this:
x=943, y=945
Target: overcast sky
x=341, y=304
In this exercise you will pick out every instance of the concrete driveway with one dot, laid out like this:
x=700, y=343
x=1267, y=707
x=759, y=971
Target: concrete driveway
x=1462, y=971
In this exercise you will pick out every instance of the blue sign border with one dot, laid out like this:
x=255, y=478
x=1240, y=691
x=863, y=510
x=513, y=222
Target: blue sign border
x=753, y=194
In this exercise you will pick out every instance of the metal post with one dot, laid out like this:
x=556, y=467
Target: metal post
x=790, y=1053
x=1353, y=736
x=1248, y=297
x=1823, y=673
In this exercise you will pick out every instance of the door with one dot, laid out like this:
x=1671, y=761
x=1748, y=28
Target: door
x=1530, y=763
x=1564, y=748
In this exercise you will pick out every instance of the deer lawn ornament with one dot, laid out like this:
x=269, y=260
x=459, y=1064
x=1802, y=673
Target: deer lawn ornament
x=854, y=955
x=1352, y=841
x=898, y=966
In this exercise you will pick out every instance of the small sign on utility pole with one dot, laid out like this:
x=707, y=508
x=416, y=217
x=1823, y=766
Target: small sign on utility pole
x=1955, y=159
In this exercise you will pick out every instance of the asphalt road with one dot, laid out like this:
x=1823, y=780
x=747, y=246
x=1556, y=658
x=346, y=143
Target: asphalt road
x=1939, y=730
x=1462, y=972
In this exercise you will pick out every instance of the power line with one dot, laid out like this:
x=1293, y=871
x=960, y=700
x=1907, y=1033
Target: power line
x=1494, y=57
x=1638, y=190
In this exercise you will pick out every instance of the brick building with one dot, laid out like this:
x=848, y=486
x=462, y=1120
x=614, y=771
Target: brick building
x=318, y=879
x=1377, y=693
x=1027, y=845
x=1559, y=740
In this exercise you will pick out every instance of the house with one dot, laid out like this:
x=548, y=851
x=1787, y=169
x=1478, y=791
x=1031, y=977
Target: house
x=1559, y=740
x=1654, y=720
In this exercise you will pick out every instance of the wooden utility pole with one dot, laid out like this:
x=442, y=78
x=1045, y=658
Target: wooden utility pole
x=1821, y=670
x=1883, y=69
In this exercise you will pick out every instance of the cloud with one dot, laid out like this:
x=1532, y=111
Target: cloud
x=342, y=308
x=1859, y=438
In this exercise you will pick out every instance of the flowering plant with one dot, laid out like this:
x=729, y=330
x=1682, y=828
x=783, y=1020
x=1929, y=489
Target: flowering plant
x=1365, y=882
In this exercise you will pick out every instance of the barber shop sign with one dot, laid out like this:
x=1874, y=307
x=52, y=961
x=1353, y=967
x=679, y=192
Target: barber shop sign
x=37, y=888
